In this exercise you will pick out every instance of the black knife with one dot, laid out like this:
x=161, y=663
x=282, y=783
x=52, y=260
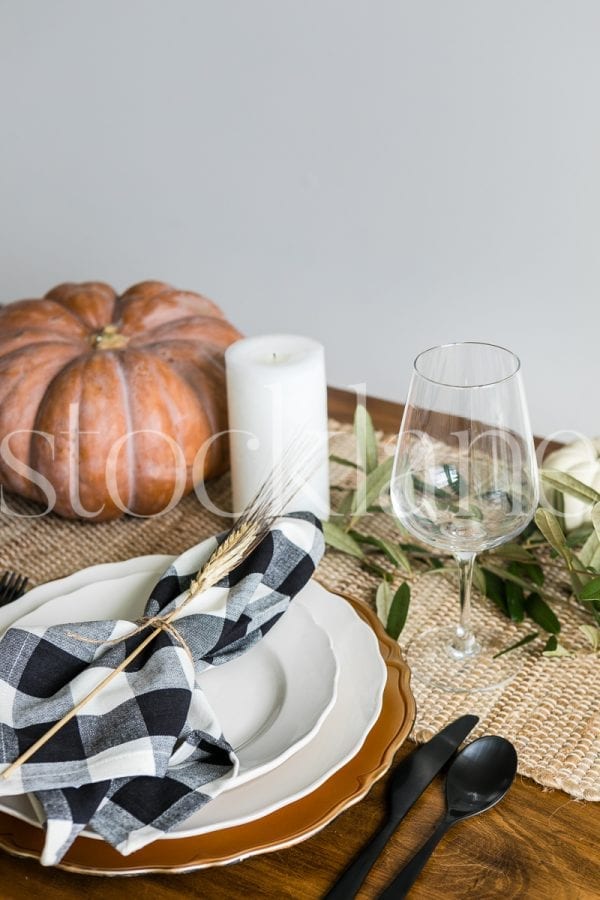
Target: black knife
x=408, y=782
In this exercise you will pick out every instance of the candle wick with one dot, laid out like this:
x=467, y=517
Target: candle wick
x=274, y=357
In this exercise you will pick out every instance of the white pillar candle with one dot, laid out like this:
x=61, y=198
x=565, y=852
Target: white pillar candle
x=277, y=396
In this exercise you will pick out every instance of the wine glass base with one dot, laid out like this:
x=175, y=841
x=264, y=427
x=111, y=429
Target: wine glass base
x=433, y=662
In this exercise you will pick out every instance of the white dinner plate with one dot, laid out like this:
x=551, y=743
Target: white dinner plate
x=268, y=703
x=356, y=706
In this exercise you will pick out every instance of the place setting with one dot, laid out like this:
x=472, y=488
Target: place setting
x=230, y=612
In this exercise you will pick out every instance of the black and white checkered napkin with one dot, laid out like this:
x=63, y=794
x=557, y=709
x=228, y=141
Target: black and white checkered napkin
x=147, y=750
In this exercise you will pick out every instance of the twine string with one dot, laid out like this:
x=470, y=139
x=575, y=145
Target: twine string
x=161, y=622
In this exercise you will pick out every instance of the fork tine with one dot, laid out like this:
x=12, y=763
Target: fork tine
x=15, y=592
x=12, y=593
x=5, y=585
x=12, y=586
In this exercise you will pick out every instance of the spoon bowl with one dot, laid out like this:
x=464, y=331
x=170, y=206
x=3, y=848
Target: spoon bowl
x=480, y=776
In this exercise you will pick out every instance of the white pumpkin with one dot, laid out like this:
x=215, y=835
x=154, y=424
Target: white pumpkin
x=581, y=459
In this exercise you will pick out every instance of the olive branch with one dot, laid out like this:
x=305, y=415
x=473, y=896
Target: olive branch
x=512, y=577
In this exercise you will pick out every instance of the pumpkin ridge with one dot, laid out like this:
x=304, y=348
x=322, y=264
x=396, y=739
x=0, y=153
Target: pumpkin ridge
x=140, y=314
x=33, y=492
x=131, y=481
x=12, y=387
x=130, y=296
x=72, y=363
x=115, y=318
x=127, y=299
x=165, y=378
x=180, y=366
x=69, y=312
x=180, y=322
x=133, y=291
x=154, y=335
x=94, y=297
x=68, y=325
x=34, y=462
x=57, y=336
x=40, y=344
x=210, y=355
x=210, y=351
x=176, y=427
x=179, y=344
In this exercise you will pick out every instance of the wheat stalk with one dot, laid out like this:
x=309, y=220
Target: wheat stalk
x=250, y=529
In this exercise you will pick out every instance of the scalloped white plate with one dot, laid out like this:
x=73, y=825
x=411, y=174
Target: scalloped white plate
x=356, y=707
x=268, y=702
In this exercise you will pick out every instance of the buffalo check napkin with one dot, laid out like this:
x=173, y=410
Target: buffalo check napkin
x=147, y=750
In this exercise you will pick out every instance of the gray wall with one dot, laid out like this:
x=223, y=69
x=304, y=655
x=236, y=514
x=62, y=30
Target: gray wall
x=381, y=175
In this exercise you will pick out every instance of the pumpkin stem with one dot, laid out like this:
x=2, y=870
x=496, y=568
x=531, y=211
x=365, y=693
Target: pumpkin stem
x=109, y=339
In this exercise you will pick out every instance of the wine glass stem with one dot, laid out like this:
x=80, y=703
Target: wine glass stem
x=464, y=643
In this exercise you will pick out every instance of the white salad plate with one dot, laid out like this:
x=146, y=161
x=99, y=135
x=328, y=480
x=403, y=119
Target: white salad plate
x=250, y=715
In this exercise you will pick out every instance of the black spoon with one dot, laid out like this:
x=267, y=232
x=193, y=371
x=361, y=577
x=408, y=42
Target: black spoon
x=479, y=777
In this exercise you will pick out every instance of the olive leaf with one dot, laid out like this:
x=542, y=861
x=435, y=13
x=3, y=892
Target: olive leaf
x=550, y=528
x=346, y=504
x=478, y=578
x=452, y=478
x=596, y=519
x=367, y=565
x=495, y=590
x=534, y=572
x=392, y=551
x=515, y=598
x=366, y=441
x=590, y=591
x=398, y=611
x=595, y=561
x=341, y=461
x=578, y=536
x=339, y=539
x=553, y=648
x=439, y=493
x=514, y=552
x=538, y=610
x=566, y=484
x=383, y=601
x=372, y=487
x=505, y=575
x=448, y=572
x=589, y=551
x=525, y=640
x=419, y=550
x=592, y=634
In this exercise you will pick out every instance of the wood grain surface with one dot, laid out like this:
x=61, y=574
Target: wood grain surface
x=535, y=844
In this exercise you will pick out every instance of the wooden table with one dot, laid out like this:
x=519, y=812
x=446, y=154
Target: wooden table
x=536, y=844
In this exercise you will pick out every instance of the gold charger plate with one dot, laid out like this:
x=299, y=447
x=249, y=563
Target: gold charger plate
x=282, y=828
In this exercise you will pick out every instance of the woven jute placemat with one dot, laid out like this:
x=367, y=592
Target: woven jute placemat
x=550, y=711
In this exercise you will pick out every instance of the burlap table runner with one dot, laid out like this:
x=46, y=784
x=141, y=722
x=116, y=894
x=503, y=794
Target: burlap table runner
x=551, y=711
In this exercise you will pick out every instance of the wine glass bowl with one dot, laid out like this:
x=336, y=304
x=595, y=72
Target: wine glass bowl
x=464, y=481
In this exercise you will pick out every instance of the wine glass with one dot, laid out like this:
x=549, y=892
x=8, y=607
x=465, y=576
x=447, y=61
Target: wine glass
x=464, y=481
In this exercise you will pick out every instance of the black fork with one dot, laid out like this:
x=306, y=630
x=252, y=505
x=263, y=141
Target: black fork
x=12, y=586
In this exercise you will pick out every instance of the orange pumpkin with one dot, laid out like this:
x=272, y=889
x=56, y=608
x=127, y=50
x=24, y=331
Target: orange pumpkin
x=109, y=401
